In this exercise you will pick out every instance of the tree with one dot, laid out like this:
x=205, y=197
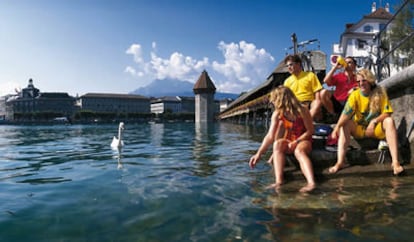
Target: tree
x=402, y=34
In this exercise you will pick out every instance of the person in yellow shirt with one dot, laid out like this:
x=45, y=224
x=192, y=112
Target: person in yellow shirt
x=305, y=85
x=367, y=113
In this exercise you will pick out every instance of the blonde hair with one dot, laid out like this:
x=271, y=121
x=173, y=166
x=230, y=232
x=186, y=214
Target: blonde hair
x=285, y=101
x=369, y=76
x=377, y=93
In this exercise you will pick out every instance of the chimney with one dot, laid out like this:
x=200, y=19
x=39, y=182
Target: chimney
x=374, y=7
x=387, y=7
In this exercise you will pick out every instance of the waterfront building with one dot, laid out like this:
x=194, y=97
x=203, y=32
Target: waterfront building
x=114, y=103
x=224, y=103
x=205, y=106
x=172, y=104
x=30, y=104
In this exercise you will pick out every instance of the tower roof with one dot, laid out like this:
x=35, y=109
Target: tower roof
x=204, y=84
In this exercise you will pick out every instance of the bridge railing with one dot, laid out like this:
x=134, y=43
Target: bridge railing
x=396, y=42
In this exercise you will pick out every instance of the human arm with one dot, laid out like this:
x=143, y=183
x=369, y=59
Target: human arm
x=328, y=77
x=267, y=140
x=370, y=130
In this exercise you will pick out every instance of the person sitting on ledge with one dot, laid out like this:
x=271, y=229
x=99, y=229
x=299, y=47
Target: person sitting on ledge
x=290, y=132
x=344, y=83
x=367, y=114
x=304, y=84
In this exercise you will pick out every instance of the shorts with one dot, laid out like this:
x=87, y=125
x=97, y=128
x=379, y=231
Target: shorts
x=337, y=106
x=378, y=132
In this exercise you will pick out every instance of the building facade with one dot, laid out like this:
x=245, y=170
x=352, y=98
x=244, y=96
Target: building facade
x=358, y=39
x=114, y=103
x=176, y=104
x=31, y=104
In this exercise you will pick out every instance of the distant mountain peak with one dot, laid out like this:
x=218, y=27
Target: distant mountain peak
x=174, y=87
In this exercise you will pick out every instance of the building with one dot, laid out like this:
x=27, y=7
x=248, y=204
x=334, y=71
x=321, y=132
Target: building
x=224, y=103
x=30, y=104
x=358, y=38
x=114, y=103
x=205, y=106
x=177, y=104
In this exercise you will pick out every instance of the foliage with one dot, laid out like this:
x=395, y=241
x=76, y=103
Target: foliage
x=402, y=32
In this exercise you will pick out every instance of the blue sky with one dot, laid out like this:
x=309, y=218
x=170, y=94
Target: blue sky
x=116, y=46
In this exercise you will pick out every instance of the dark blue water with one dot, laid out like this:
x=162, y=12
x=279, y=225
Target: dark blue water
x=179, y=182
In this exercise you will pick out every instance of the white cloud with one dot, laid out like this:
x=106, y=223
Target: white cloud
x=244, y=66
x=136, y=51
x=178, y=66
x=8, y=88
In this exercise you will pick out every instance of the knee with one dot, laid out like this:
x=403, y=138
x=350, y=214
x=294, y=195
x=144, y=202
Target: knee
x=324, y=94
x=388, y=122
x=278, y=146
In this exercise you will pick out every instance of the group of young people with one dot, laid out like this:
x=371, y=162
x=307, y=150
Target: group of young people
x=361, y=106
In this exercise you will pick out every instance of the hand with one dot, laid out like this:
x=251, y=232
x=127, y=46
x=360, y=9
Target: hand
x=292, y=145
x=369, y=132
x=253, y=160
x=334, y=133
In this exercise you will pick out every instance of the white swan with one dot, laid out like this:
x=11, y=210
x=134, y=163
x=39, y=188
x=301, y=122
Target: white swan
x=118, y=142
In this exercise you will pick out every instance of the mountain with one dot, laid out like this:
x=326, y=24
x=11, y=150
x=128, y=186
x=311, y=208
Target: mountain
x=172, y=87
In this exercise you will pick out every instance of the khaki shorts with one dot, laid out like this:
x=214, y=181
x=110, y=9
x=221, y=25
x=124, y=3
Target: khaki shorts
x=378, y=132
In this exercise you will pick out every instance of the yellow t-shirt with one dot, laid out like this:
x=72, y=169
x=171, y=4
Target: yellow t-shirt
x=358, y=106
x=304, y=86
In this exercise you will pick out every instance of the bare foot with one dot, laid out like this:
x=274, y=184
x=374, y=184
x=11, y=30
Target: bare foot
x=334, y=169
x=275, y=186
x=397, y=170
x=270, y=160
x=309, y=187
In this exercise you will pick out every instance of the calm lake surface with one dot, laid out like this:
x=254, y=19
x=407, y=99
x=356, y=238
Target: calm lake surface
x=179, y=182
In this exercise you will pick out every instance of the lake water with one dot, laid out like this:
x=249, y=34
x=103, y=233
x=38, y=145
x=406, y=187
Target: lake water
x=179, y=182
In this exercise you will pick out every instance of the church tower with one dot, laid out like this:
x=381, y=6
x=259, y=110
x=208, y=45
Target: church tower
x=204, y=91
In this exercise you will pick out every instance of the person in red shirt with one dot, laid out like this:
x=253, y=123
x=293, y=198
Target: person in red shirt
x=290, y=132
x=344, y=83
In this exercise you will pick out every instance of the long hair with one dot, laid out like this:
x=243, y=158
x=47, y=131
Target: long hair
x=377, y=93
x=285, y=101
x=375, y=99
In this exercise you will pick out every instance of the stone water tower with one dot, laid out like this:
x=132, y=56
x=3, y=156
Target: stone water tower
x=204, y=91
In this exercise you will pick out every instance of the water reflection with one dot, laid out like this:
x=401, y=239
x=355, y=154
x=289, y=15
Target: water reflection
x=204, y=142
x=173, y=175
x=118, y=156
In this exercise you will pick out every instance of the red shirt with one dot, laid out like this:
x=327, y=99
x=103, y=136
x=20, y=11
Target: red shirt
x=340, y=81
x=293, y=129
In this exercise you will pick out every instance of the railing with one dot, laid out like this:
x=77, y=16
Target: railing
x=396, y=42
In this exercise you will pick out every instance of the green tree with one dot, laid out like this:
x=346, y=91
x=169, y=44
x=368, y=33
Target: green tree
x=402, y=34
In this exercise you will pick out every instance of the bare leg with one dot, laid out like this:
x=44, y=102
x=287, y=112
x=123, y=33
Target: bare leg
x=315, y=108
x=343, y=143
x=301, y=154
x=391, y=137
x=279, y=149
x=326, y=100
x=280, y=132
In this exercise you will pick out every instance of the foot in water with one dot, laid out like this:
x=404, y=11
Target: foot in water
x=398, y=170
x=308, y=188
x=334, y=169
x=275, y=186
